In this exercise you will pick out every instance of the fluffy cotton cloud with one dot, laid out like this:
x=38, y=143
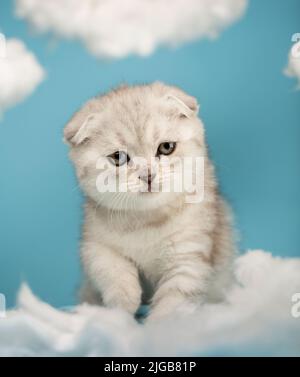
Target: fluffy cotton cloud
x=255, y=320
x=20, y=73
x=293, y=68
x=116, y=28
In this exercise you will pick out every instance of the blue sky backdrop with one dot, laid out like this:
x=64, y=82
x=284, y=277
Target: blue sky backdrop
x=252, y=117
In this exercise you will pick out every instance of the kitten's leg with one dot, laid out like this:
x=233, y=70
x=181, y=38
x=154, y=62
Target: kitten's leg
x=89, y=295
x=183, y=285
x=113, y=276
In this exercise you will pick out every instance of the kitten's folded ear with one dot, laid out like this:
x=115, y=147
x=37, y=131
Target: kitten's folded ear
x=186, y=105
x=81, y=126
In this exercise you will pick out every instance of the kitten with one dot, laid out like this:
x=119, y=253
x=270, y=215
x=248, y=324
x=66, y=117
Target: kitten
x=147, y=244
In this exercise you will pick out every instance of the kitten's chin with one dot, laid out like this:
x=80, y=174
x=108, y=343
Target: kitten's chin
x=140, y=201
x=153, y=200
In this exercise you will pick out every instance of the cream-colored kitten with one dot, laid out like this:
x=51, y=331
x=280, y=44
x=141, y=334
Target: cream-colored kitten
x=172, y=248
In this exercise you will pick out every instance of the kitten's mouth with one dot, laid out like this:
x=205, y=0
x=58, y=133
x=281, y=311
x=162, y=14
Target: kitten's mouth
x=149, y=190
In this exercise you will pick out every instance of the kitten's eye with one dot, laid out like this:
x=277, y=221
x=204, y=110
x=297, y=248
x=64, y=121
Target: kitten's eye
x=119, y=158
x=166, y=148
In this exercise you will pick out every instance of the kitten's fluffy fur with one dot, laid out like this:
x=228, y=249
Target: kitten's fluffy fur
x=150, y=245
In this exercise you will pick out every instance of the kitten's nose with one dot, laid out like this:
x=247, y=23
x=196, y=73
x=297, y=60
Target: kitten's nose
x=148, y=178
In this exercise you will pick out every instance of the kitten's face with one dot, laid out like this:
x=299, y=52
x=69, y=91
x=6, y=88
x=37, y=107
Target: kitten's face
x=129, y=146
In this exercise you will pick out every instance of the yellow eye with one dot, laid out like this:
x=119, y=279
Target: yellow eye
x=166, y=148
x=119, y=158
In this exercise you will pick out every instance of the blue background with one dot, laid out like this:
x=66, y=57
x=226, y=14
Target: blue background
x=252, y=117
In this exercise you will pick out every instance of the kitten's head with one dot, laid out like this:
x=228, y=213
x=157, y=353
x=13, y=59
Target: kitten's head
x=128, y=145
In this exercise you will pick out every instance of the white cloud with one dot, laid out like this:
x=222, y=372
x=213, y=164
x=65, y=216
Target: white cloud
x=20, y=73
x=255, y=320
x=116, y=28
x=293, y=68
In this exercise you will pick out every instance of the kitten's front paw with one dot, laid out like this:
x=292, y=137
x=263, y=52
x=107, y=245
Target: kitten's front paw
x=126, y=298
x=171, y=306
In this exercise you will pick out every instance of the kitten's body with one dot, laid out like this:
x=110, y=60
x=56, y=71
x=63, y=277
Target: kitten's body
x=157, y=244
